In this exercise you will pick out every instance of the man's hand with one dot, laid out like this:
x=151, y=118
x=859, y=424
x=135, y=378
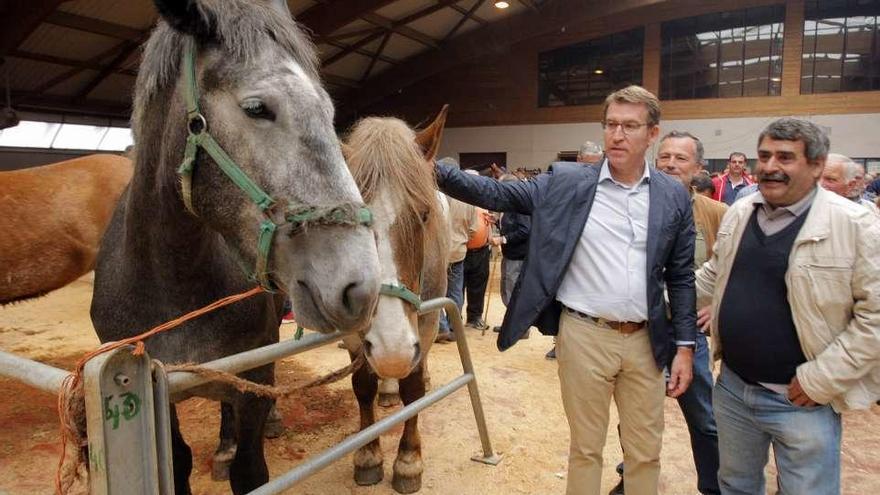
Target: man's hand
x=797, y=396
x=681, y=373
x=704, y=319
x=495, y=241
x=496, y=171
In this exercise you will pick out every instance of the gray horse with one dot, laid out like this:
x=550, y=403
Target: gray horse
x=237, y=76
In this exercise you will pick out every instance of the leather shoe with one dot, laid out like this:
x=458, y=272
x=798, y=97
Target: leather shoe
x=444, y=338
x=618, y=489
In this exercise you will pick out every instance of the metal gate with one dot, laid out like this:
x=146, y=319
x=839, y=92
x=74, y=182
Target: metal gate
x=128, y=410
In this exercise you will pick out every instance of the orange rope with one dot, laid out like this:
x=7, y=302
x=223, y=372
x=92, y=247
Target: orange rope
x=73, y=381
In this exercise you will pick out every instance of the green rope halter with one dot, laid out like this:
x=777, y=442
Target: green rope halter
x=299, y=216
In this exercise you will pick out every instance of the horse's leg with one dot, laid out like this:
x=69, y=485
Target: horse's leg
x=408, y=465
x=248, y=470
x=181, y=455
x=367, y=459
x=225, y=452
x=389, y=394
x=274, y=423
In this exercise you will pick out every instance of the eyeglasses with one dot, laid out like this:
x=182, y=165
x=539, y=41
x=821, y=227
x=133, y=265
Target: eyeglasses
x=627, y=127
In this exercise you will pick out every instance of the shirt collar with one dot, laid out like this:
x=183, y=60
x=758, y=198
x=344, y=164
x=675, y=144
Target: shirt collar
x=795, y=209
x=605, y=174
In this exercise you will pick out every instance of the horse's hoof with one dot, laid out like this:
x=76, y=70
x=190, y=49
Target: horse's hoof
x=366, y=476
x=403, y=484
x=220, y=470
x=388, y=400
x=273, y=429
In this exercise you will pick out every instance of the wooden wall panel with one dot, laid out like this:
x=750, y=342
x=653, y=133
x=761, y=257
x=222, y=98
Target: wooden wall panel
x=793, y=44
x=502, y=89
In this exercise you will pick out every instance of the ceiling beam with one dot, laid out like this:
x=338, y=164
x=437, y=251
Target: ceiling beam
x=360, y=51
x=20, y=18
x=325, y=18
x=51, y=83
x=374, y=59
x=469, y=14
x=94, y=26
x=110, y=68
x=491, y=39
x=340, y=81
x=51, y=103
x=351, y=34
x=530, y=4
x=67, y=62
x=400, y=29
x=461, y=10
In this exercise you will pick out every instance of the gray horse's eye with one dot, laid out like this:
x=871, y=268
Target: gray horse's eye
x=256, y=109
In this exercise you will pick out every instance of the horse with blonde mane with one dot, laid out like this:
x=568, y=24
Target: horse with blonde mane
x=393, y=168
x=52, y=221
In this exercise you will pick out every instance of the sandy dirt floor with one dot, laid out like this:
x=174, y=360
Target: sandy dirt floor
x=520, y=393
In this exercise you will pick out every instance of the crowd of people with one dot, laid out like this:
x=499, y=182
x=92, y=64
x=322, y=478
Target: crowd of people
x=649, y=273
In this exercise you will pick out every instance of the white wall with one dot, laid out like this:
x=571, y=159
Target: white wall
x=855, y=135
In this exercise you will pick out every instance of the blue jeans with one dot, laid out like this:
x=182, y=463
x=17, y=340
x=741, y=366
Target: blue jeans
x=806, y=440
x=696, y=406
x=454, y=291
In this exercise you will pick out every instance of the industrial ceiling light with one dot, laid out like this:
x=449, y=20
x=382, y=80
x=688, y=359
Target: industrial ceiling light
x=501, y=5
x=598, y=71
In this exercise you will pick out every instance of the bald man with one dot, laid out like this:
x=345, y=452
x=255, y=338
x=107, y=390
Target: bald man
x=845, y=177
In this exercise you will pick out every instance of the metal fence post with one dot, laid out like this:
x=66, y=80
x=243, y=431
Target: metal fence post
x=120, y=419
x=464, y=353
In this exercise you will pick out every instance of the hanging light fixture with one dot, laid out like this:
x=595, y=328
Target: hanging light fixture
x=501, y=5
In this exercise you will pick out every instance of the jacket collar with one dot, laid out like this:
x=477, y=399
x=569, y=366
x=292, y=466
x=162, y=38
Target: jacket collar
x=817, y=226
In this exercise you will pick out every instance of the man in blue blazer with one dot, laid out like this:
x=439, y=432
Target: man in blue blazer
x=606, y=242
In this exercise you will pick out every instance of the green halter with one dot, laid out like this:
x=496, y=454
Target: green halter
x=299, y=216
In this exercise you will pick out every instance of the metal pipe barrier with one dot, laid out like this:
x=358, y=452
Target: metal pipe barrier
x=38, y=375
x=128, y=409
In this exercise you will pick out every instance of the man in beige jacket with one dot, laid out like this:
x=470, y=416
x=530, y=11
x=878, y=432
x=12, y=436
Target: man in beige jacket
x=462, y=225
x=795, y=286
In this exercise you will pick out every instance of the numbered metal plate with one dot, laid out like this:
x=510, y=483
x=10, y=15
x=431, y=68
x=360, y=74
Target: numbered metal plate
x=119, y=412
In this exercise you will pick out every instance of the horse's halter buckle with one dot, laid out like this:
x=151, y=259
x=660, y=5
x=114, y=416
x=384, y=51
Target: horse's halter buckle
x=299, y=216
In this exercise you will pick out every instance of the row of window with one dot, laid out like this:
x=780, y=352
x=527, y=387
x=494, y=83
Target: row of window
x=724, y=55
x=51, y=135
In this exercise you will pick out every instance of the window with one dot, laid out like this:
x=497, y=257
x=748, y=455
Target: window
x=31, y=134
x=723, y=55
x=841, y=46
x=587, y=72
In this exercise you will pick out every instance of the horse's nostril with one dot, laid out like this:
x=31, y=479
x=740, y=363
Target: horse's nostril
x=368, y=348
x=356, y=298
x=417, y=355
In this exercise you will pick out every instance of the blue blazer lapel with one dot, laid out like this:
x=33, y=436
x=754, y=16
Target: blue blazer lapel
x=656, y=214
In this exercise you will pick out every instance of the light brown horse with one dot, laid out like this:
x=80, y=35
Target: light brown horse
x=393, y=168
x=52, y=219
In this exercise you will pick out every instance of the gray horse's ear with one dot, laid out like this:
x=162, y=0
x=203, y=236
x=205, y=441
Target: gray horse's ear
x=186, y=16
x=428, y=138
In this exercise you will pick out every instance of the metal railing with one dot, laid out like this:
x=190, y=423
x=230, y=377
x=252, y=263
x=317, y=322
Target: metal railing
x=128, y=400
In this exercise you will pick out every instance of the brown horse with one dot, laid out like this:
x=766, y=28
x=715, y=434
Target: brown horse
x=52, y=221
x=392, y=166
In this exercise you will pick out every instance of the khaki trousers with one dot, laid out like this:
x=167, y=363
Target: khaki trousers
x=597, y=363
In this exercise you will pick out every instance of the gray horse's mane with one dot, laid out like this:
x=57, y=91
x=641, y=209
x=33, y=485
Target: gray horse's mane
x=240, y=27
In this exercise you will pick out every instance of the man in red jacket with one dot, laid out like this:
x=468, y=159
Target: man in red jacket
x=736, y=178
